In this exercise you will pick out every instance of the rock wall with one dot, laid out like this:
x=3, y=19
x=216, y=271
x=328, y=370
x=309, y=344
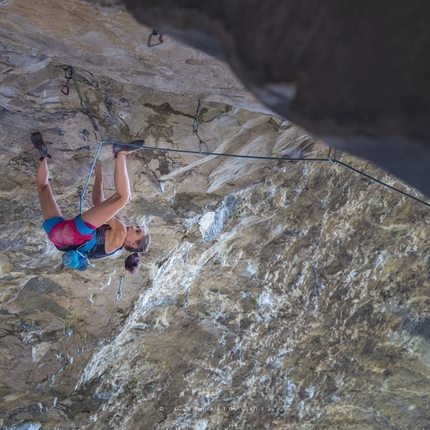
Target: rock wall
x=275, y=294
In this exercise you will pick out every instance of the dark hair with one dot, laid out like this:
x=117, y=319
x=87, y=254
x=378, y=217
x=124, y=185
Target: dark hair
x=142, y=244
x=132, y=263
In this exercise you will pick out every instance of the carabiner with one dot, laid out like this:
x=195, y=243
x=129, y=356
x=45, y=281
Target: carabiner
x=203, y=143
x=68, y=71
x=119, y=293
x=160, y=39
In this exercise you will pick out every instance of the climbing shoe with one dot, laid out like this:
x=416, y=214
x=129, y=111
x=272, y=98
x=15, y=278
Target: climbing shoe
x=39, y=144
x=129, y=148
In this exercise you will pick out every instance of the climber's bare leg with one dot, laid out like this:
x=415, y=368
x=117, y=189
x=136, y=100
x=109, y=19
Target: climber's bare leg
x=46, y=197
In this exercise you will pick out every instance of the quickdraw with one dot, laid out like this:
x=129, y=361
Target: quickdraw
x=330, y=152
x=68, y=75
x=196, y=130
x=65, y=89
x=119, y=293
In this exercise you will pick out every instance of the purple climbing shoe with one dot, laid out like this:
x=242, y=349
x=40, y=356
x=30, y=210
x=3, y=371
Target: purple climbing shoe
x=39, y=144
x=129, y=148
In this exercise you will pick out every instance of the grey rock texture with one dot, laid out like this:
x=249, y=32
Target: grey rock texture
x=275, y=295
x=354, y=75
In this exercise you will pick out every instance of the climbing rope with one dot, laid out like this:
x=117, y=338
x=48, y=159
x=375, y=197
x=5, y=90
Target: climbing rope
x=257, y=157
x=223, y=154
x=93, y=164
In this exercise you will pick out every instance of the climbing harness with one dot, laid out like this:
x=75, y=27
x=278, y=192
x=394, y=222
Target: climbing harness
x=196, y=129
x=119, y=293
x=155, y=33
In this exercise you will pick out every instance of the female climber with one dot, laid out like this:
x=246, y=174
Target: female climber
x=97, y=227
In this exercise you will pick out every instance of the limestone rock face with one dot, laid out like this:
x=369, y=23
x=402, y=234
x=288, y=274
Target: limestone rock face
x=274, y=295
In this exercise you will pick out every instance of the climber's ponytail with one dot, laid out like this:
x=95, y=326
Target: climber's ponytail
x=132, y=263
